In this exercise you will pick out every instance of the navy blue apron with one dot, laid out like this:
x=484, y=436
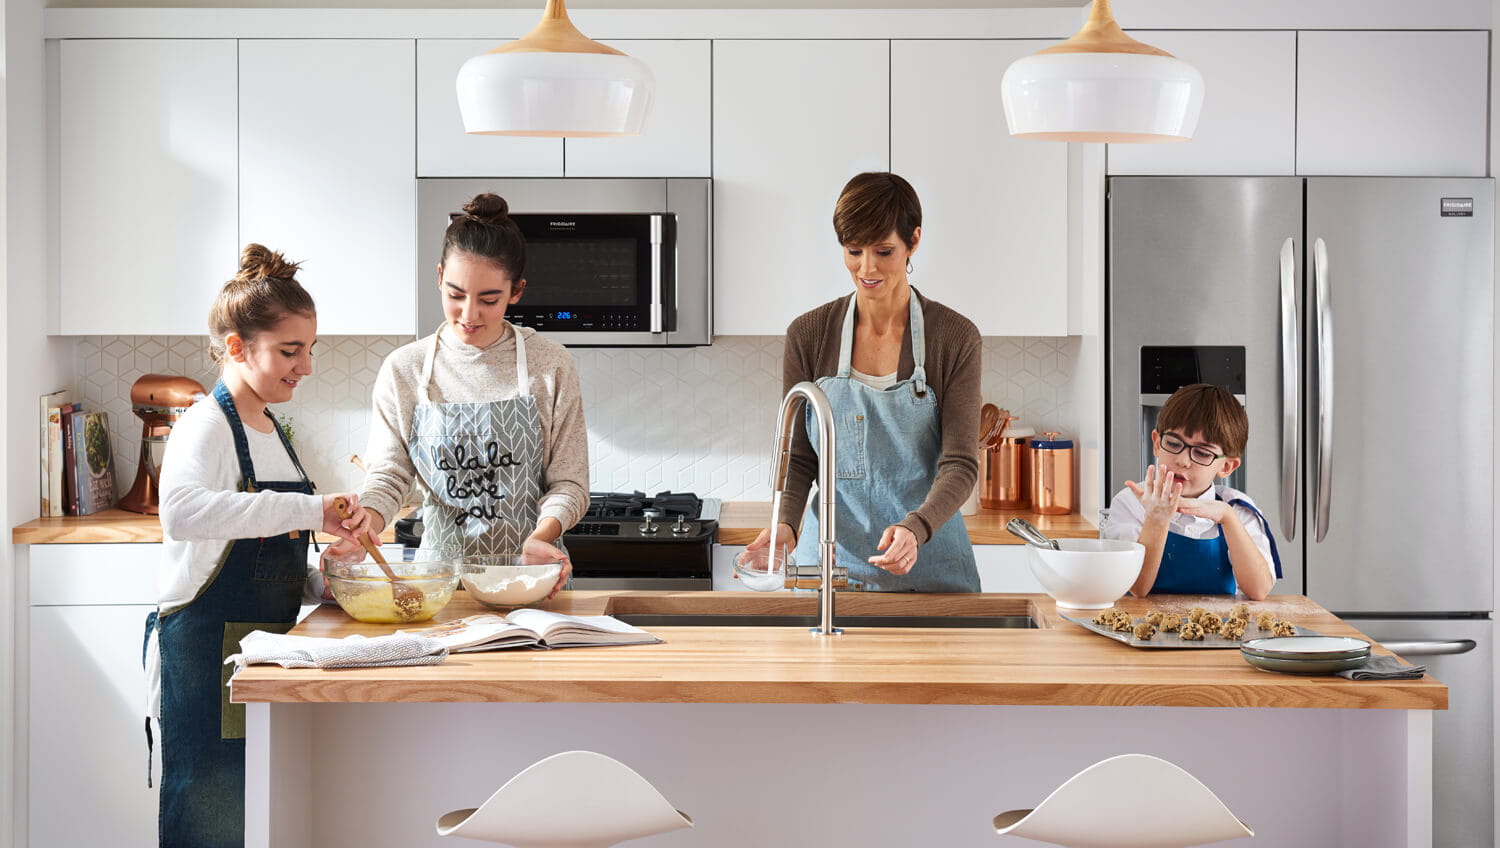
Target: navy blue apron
x=258, y=586
x=1201, y=566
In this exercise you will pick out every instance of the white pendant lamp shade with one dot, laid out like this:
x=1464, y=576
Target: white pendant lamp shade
x=555, y=83
x=1101, y=85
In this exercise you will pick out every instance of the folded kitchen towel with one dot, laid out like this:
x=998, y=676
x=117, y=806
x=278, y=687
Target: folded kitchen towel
x=351, y=652
x=1384, y=668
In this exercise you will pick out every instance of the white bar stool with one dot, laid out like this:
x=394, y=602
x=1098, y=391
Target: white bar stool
x=538, y=808
x=1129, y=801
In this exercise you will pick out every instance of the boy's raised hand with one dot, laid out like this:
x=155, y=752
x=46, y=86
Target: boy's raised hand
x=1159, y=494
x=1214, y=510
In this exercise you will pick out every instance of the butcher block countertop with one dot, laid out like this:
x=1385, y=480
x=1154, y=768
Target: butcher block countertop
x=1058, y=664
x=739, y=522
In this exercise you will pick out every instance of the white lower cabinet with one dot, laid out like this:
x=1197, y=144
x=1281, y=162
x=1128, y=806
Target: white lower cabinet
x=87, y=695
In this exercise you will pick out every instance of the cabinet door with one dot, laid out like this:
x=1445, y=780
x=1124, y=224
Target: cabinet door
x=87, y=773
x=327, y=148
x=147, y=192
x=994, y=208
x=443, y=148
x=675, y=141
x=1249, y=120
x=1005, y=568
x=796, y=120
x=1392, y=103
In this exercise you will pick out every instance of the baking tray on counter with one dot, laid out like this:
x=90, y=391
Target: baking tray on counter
x=1163, y=639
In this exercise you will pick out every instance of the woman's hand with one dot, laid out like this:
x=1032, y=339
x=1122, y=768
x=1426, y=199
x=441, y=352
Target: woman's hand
x=538, y=549
x=900, y=547
x=1214, y=510
x=786, y=538
x=361, y=521
x=1160, y=494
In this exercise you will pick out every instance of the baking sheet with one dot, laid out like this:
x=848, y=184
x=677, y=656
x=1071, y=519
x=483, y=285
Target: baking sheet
x=1163, y=639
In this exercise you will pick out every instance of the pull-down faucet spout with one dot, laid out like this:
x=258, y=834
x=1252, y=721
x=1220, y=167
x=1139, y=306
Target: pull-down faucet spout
x=826, y=574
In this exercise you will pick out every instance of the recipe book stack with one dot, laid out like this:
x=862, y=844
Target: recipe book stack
x=77, y=461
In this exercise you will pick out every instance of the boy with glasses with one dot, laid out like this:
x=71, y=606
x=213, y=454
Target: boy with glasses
x=1200, y=539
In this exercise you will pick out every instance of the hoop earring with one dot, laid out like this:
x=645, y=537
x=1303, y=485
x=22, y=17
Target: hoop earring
x=909, y=269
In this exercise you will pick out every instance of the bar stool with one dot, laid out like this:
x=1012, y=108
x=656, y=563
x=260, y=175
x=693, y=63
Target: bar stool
x=1129, y=801
x=539, y=807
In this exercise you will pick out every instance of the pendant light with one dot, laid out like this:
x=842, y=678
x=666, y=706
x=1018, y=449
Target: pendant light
x=555, y=83
x=1101, y=85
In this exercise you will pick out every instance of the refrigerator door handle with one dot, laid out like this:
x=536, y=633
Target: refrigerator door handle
x=1431, y=647
x=1291, y=393
x=1324, y=318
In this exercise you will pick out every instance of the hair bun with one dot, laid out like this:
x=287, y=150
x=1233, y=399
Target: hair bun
x=488, y=208
x=258, y=262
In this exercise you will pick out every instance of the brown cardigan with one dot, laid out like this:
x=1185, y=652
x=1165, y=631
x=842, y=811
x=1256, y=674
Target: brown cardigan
x=954, y=367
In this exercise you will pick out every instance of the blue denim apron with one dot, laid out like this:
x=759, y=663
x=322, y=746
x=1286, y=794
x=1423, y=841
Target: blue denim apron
x=258, y=586
x=888, y=444
x=481, y=464
x=1201, y=566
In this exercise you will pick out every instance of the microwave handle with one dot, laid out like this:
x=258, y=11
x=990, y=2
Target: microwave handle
x=656, y=304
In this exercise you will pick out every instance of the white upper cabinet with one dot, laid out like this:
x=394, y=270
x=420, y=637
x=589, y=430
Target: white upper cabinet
x=795, y=120
x=443, y=148
x=994, y=208
x=675, y=140
x=1249, y=120
x=1392, y=103
x=327, y=148
x=147, y=188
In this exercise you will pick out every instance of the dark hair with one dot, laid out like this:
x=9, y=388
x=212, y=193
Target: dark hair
x=1209, y=410
x=485, y=229
x=874, y=204
x=264, y=291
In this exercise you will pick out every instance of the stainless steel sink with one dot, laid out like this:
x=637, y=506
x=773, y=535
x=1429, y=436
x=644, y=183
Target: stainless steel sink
x=845, y=621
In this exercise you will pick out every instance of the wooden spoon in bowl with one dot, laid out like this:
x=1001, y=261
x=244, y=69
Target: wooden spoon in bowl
x=407, y=598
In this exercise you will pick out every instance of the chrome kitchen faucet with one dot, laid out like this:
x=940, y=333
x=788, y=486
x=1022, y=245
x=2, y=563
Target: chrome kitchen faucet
x=826, y=574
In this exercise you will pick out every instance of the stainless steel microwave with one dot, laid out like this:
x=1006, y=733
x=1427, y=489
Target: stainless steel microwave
x=609, y=262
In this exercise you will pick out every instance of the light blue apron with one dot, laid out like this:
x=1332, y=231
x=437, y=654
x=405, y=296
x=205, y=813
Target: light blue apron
x=888, y=441
x=481, y=464
x=1201, y=566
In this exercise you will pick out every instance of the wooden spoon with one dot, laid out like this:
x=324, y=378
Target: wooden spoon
x=408, y=599
x=989, y=414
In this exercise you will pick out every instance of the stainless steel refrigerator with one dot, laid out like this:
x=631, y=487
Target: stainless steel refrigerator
x=1354, y=318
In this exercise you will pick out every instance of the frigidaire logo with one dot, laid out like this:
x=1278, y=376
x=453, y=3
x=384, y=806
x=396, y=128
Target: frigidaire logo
x=1457, y=207
x=562, y=224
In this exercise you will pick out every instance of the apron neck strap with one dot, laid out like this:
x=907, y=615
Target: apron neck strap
x=916, y=331
x=523, y=373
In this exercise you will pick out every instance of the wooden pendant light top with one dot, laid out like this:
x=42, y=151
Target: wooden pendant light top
x=1101, y=35
x=555, y=34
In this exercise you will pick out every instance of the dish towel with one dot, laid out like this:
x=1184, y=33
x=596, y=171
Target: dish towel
x=1384, y=668
x=352, y=652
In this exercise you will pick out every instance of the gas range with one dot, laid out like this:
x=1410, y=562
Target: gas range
x=634, y=541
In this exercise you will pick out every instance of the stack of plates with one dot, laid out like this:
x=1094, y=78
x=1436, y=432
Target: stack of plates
x=1306, y=654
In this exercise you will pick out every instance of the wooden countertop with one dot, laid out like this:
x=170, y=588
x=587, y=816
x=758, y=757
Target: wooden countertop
x=1058, y=664
x=739, y=522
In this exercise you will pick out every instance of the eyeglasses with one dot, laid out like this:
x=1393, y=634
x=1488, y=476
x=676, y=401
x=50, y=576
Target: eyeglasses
x=1198, y=454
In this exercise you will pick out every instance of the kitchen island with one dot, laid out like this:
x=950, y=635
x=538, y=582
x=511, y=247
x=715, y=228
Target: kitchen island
x=881, y=736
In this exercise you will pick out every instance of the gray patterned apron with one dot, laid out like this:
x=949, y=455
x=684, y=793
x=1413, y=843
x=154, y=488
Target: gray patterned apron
x=481, y=464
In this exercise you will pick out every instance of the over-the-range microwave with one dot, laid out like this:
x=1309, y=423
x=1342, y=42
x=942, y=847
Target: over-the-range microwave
x=610, y=262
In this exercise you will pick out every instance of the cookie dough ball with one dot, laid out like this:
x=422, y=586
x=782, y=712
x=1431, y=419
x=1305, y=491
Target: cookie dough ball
x=1145, y=630
x=1240, y=611
x=1234, y=629
x=1171, y=621
x=1210, y=623
x=1154, y=618
x=1283, y=628
x=1192, y=632
x=1196, y=613
x=1123, y=622
x=1105, y=618
x=1265, y=621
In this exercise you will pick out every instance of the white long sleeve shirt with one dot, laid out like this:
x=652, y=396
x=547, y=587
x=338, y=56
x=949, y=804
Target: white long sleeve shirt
x=1127, y=515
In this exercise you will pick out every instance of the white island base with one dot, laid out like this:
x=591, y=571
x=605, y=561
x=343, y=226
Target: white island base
x=337, y=775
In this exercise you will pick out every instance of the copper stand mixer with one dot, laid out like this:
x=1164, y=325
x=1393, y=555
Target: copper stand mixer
x=158, y=400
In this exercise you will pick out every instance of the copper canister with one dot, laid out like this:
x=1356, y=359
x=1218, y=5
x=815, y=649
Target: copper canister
x=1051, y=475
x=1005, y=471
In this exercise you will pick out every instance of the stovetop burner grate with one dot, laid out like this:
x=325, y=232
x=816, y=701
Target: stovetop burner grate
x=635, y=504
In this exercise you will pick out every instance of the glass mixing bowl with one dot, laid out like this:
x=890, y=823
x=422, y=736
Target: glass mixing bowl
x=366, y=594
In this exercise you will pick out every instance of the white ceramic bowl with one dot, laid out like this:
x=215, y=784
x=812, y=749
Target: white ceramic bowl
x=1087, y=573
x=506, y=581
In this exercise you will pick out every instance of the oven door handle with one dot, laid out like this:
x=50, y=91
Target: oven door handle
x=656, y=304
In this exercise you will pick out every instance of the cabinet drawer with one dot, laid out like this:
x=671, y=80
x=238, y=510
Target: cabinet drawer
x=68, y=575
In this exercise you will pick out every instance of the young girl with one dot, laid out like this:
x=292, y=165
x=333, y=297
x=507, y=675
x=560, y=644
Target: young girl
x=237, y=511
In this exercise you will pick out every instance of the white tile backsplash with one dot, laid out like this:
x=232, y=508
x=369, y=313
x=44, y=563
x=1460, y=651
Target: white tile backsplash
x=693, y=419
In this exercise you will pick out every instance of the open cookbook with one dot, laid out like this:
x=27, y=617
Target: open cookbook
x=525, y=628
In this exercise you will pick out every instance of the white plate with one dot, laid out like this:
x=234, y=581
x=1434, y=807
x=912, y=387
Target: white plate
x=1307, y=647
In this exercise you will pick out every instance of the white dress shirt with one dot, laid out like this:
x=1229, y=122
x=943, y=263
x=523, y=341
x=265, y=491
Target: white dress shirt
x=1127, y=515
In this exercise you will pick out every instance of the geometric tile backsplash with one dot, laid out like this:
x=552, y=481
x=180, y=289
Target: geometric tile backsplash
x=684, y=419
